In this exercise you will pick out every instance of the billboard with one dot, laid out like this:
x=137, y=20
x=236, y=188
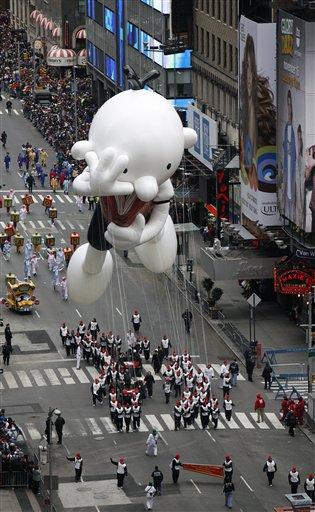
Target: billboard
x=257, y=113
x=295, y=120
x=207, y=132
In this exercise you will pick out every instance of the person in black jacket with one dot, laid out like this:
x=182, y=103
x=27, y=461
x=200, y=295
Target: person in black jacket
x=6, y=352
x=8, y=334
x=228, y=489
x=59, y=423
x=157, y=476
x=266, y=374
x=187, y=317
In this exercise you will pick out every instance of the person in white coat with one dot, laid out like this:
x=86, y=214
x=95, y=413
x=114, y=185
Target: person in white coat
x=152, y=443
x=23, y=213
x=150, y=492
x=78, y=356
x=64, y=288
x=34, y=264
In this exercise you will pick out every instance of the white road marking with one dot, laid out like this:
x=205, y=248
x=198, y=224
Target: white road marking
x=71, y=226
x=92, y=371
x=36, y=313
x=42, y=225
x=81, y=227
x=108, y=425
x=247, y=485
x=163, y=439
x=65, y=374
x=59, y=198
x=39, y=379
x=154, y=422
x=241, y=416
x=79, y=427
x=143, y=427
x=32, y=224
x=232, y=423
x=26, y=383
x=274, y=420
x=80, y=375
x=262, y=425
x=34, y=199
x=68, y=198
x=168, y=420
x=93, y=426
x=207, y=431
x=78, y=312
x=16, y=112
x=195, y=486
x=52, y=377
x=8, y=376
x=60, y=224
x=119, y=312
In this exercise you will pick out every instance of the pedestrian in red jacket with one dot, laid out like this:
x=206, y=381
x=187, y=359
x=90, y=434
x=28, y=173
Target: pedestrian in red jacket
x=260, y=405
x=284, y=407
x=300, y=410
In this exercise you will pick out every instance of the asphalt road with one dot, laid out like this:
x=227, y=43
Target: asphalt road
x=40, y=376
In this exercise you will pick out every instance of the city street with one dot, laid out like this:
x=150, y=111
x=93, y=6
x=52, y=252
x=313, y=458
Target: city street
x=40, y=376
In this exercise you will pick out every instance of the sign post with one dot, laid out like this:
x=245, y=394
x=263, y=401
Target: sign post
x=253, y=301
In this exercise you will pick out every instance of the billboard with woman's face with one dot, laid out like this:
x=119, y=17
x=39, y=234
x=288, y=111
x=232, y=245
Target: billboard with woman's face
x=257, y=87
x=295, y=120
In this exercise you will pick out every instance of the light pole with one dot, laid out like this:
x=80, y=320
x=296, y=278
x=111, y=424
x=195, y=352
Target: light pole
x=37, y=45
x=50, y=413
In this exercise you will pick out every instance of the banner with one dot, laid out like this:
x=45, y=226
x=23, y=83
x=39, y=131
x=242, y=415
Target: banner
x=205, y=469
x=257, y=107
x=207, y=133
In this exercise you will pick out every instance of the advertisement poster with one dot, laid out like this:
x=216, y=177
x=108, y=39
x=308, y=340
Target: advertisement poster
x=207, y=132
x=257, y=106
x=295, y=123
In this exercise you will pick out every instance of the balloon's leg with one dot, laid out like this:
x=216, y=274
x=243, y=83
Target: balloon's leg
x=89, y=273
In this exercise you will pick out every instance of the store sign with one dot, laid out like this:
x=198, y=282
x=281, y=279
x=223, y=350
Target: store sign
x=305, y=253
x=294, y=282
x=223, y=194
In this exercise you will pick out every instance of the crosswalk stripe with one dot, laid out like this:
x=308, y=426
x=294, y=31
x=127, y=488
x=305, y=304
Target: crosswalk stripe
x=70, y=224
x=59, y=198
x=32, y=224
x=79, y=427
x=108, y=425
x=154, y=422
x=34, y=199
x=220, y=425
x=263, y=425
x=37, y=376
x=93, y=426
x=65, y=374
x=143, y=427
x=42, y=225
x=66, y=431
x=168, y=420
x=60, y=224
x=33, y=432
x=68, y=198
x=80, y=226
x=1, y=385
x=198, y=422
x=16, y=200
x=10, y=380
x=148, y=368
x=274, y=420
x=232, y=423
x=52, y=377
x=3, y=224
x=26, y=383
x=241, y=416
x=92, y=371
x=41, y=197
x=80, y=375
x=16, y=112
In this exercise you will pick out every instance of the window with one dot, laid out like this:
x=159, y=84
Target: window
x=219, y=50
x=81, y=6
x=110, y=68
x=212, y=47
x=109, y=20
x=219, y=10
x=98, y=13
x=91, y=9
x=133, y=35
x=201, y=6
x=207, y=44
x=213, y=8
x=224, y=54
x=202, y=41
x=236, y=60
x=224, y=11
x=231, y=14
x=230, y=57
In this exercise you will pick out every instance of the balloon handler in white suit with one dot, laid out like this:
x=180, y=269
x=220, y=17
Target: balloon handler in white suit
x=136, y=142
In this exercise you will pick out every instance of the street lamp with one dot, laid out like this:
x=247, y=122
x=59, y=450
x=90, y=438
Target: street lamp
x=49, y=441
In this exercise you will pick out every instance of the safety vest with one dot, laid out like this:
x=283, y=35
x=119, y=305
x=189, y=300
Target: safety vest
x=136, y=411
x=228, y=405
x=228, y=466
x=177, y=411
x=294, y=477
x=64, y=331
x=81, y=328
x=127, y=412
x=77, y=463
x=121, y=468
x=136, y=319
x=271, y=466
x=165, y=342
x=93, y=326
x=310, y=484
x=119, y=412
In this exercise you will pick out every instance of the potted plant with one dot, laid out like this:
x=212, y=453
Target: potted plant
x=216, y=294
x=208, y=284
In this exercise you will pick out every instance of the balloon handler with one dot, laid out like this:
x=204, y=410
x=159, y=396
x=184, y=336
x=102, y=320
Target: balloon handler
x=136, y=142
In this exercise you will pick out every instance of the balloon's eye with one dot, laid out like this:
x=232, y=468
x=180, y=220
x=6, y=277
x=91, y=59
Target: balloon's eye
x=125, y=171
x=168, y=166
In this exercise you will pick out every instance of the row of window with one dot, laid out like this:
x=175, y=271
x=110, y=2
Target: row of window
x=223, y=10
x=216, y=49
x=212, y=94
x=101, y=61
x=102, y=15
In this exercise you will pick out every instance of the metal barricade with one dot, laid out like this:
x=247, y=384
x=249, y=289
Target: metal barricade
x=13, y=479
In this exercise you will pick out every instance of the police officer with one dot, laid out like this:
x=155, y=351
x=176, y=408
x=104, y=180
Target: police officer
x=157, y=476
x=270, y=468
x=175, y=467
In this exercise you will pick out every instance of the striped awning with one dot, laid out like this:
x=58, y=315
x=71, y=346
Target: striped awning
x=43, y=22
x=56, y=32
x=61, y=57
x=49, y=25
x=81, y=34
x=34, y=14
x=39, y=17
x=82, y=54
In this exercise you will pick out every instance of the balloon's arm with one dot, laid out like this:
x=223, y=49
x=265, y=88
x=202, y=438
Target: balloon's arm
x=159, y=213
